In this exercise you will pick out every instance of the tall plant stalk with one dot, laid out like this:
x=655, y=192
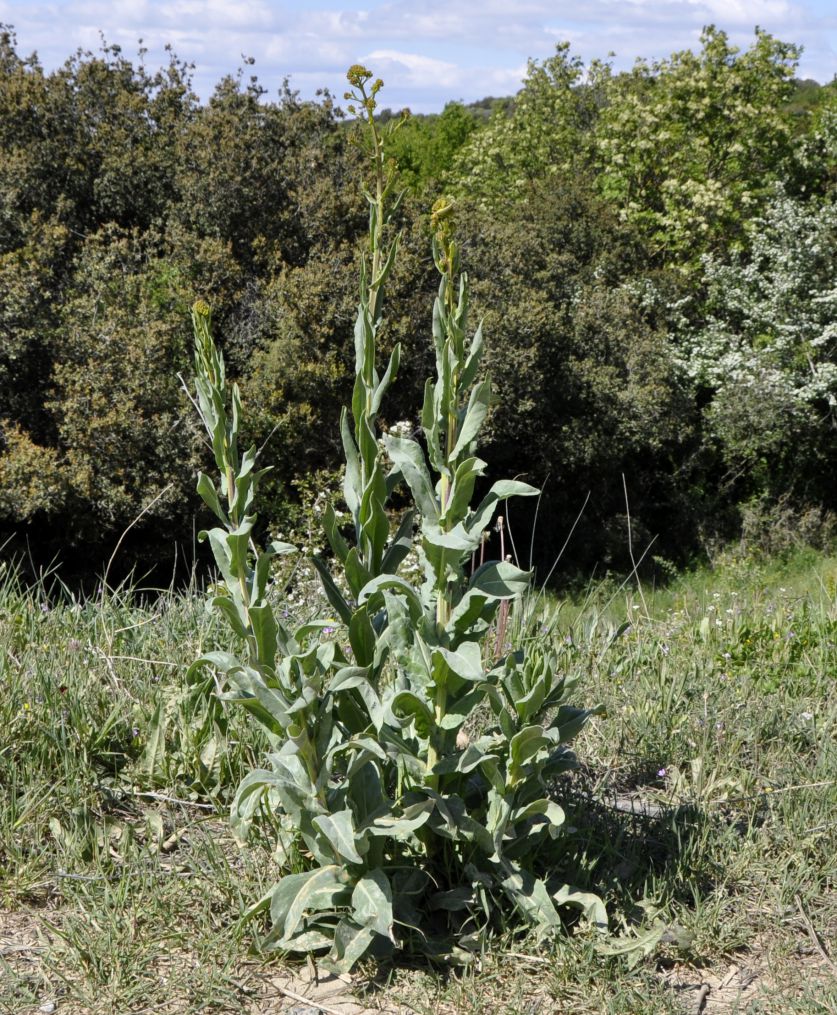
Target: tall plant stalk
x=392, y=823
x=366, y=484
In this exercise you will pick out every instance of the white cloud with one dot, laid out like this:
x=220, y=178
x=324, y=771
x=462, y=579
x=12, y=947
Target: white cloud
x=427, y=53
x=414, y=69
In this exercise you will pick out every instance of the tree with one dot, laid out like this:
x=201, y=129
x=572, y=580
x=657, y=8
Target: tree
x=426, y=146
x=689, y=148
x=546, y=135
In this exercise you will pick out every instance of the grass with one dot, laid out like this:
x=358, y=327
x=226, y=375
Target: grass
x=706, y=801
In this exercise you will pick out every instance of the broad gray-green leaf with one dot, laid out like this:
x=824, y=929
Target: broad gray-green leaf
x=332, y=530
x=470, y=609
x=153, y=757
x=333, y=593
x=265, y=632
x=389, y=375
x=392, y=582
x=458, y=709
x=458, y=538
x=474, y=417
x=209, y=495
x=525, y=745
x=348, y=677
x=501, y=580
x=469, y=371
x=408, y=705
x=591, y=905
x=372, y=903
x=298, y=894
x=400, y=545
x=531, y=897
x=465, y=761
x=501, y=490
x=234, y=612
x=352, y=488
x=339, y=829
x=570, y=721
x=362, y=637
x=409, y=458
x=350, y=943
x=465, y=662
x=462, y=489
x=402, y=825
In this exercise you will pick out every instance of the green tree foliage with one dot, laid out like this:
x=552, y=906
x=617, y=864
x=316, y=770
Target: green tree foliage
x=120, y=198
x=586, y=383
x=546, y=134
x=591, y=195
x=688, y=148
x=426, y=146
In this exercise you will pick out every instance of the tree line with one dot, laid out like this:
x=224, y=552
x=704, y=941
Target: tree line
x=653, y=253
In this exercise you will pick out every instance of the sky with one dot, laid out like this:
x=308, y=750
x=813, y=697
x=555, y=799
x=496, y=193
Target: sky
x=427, y=51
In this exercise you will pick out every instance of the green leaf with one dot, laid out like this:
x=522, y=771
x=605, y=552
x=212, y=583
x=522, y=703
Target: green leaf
x=465, y=662
x=350, y=944
x=462, y=489
x=458, y=538
x=548, y=808
x=402, y=825
x=524, y=746
x=356, y=574
x=333, y=593
x=247, y=801
x=387, y=581
x=153, y=757
x=234, y=612
x=454, y=900
x=459, y=709
x=571, y=721
x=409, y=458
x=400, y=545
x=474, y=606
x=264, y=628
x=267, y=704
x=408, y=705
x=465, y=761
x=282, y=549
x=335, y=538
x=348, y=677
x=352, y=487
x=296, y=895
x=338, y=829
x=502, y=490
x=209, y=495
x=531, y=897
x=372, y=903
x=388, y=378
x=591, y=905
x=469, y=371
x=501, y=580
x=474, y=417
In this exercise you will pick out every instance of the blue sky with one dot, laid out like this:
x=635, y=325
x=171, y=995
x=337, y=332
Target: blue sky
x=427, y=51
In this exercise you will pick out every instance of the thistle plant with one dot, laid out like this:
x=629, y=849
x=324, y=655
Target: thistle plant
x=398, y=829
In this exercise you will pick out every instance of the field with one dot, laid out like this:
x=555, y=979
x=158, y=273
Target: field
x=704, y=810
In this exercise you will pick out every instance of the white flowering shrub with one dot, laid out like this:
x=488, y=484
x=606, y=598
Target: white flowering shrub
x=766, y=348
